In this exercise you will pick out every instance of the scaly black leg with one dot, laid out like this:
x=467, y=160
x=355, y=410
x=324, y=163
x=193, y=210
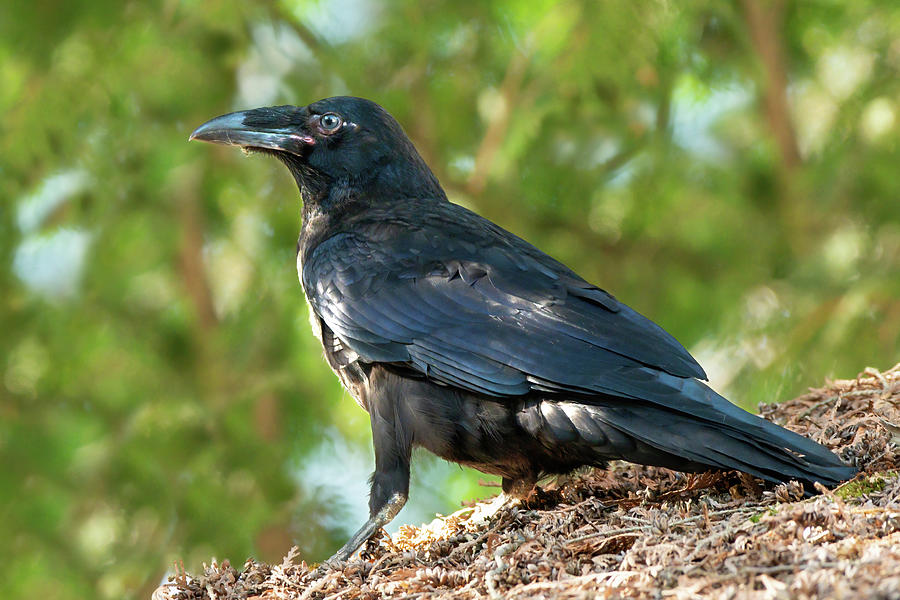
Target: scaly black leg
x=390, y=481
x=375, y=522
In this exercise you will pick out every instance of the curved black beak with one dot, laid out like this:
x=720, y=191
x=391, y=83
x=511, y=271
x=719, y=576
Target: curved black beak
x=257, y=128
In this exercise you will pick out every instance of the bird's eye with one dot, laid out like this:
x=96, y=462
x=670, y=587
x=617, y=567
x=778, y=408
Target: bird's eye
x=330, y=122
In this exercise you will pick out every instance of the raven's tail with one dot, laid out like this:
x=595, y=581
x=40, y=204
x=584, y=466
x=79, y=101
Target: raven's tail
x=684, y=425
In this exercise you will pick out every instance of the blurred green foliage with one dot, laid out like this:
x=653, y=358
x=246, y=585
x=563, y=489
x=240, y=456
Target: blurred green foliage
x=729, y=169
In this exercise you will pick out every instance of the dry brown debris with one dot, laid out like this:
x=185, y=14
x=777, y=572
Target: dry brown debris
x=642, y=532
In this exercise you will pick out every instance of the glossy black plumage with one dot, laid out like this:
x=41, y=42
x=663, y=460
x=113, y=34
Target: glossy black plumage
x=460, y=337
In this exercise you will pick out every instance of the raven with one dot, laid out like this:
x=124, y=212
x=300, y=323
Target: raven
x=457, y=336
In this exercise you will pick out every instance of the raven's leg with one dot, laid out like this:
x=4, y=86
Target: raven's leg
x=390, y=481
x=518, y=488
x=375, y=522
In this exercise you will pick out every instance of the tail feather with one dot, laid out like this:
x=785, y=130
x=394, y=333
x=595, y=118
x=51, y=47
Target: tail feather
x=692, y=427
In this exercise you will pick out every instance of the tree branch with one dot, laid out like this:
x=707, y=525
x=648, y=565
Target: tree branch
x=496, y=131
x=190, y=255
x=765, y=21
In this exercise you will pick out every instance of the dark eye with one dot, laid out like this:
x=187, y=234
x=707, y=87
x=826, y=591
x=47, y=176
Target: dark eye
x=330, y=122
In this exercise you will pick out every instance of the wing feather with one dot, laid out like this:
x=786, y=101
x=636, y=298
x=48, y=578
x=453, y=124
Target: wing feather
x=467, y=304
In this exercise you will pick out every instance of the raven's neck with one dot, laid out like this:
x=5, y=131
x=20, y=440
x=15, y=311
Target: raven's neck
x=380, y=186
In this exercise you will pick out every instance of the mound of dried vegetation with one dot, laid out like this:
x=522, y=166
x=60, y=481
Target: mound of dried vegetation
x=641, y=532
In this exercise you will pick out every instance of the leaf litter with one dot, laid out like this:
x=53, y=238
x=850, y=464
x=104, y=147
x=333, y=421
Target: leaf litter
x=633, y=531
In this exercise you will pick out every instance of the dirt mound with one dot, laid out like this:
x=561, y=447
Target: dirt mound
x=636, y=532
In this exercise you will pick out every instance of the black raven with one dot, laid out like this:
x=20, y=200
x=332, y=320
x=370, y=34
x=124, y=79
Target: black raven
x=460, y=337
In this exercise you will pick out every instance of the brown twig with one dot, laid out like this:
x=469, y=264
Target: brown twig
x=498, y=123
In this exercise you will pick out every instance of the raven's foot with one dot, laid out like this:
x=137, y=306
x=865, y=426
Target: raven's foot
x=514, y=492
x=375, y=522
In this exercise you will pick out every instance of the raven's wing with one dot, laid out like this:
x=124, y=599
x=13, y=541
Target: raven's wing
x=468, y=304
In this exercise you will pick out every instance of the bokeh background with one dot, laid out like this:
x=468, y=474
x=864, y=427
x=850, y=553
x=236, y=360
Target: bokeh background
x=730, y=169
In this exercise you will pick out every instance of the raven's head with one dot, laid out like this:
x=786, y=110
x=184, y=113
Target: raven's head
x=341, y=145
